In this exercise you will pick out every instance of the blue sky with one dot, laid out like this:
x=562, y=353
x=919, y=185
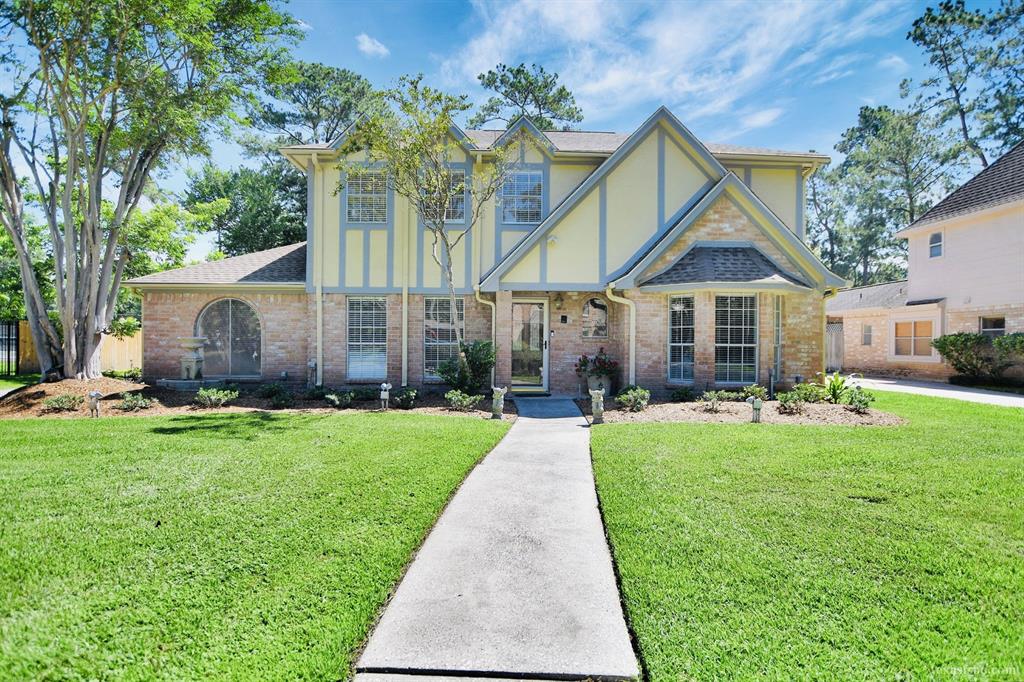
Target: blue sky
x=788, y=75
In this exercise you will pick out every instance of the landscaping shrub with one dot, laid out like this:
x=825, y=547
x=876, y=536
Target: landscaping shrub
x=1010, y=348
x=836, y=387
x=633, y=398
x=365, y=394
x=339, y=400
x=215, y=397
x=405, y=399
x=314, y=393
x=475, y=374
x=711, y=401
x=790, y=402
x=460, y=401
x=133, y=402
x=754, y=391
x=282, y=400
x=271, y=390
x=859, y=400
x=810, y=393
x=684, y=394
x=969, y=354
x=63, y=403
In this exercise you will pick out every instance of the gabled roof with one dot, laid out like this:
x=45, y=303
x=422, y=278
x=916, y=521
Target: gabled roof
x=525, y=124
x=1000, y=183
x=662, y=115
x=282, y=265
x=887, y=295
x=779, y=233
x=729, y=264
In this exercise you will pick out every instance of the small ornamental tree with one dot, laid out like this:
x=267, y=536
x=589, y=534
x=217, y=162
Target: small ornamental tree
x=411, y=140
x=970, y=354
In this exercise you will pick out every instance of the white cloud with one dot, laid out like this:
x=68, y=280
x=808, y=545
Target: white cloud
x=761, y=119
x=371, y=47
x=894, y=63
x=700, y=60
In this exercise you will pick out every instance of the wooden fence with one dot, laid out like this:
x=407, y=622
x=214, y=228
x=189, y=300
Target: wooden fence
x=115, y=354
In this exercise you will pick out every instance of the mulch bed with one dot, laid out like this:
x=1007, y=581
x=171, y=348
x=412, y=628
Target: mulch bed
x=28, y=402
x=736, y=413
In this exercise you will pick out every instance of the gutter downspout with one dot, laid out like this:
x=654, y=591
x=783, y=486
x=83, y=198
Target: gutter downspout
x=494, y=322
x=318, y=274
x=632, y=329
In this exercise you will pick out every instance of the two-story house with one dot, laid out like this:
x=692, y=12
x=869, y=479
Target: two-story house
x=965, y=273
x=686, y=261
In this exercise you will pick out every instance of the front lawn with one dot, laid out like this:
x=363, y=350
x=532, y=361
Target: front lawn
x=8, y=383
x=790, y=552
x=243, y=546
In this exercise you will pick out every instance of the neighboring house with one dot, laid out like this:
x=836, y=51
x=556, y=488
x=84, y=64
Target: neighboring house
x=965, y=274
x=685, y=261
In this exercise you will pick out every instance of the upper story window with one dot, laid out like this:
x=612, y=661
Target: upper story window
x=595, y=319
x=367, y=198
x=935, y=245
x=521, y=197
x=456, y=210
x=992, y=326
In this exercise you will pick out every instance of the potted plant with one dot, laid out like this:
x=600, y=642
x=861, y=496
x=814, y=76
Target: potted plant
x=599, y=371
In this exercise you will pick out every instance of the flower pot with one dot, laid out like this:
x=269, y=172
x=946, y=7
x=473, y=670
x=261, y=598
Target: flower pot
x=602, y=383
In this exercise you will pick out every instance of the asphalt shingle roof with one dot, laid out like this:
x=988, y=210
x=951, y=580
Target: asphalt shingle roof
x=723, y=264
x=888, y=295
x=1000, y=183
x=282, y=265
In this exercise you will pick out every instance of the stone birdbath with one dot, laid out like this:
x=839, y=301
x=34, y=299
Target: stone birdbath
x=192, y=360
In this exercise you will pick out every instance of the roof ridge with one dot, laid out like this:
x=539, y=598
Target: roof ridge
x=879, y=284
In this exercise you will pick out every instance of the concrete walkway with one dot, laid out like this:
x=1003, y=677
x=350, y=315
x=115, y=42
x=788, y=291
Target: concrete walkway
x=940, y=390
x=516, y=579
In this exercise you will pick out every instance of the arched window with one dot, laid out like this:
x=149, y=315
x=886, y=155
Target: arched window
x=233, y=346
x=595, y=319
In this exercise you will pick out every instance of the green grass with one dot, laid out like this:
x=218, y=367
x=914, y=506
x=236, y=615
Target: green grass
x=8, y=383
x=235, y=546
x=789, y=552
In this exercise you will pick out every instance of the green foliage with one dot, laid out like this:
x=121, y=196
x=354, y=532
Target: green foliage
x=791, y=402
x=282, y=400
x=133, y=402
x=836, y=386
x=1010, y=347
x=711, y=401
x=810, y=393
x=858, y=400
x=270, y=390
x=683, y=394
x=132, y=374
x=339, y=400
x=365, y=394
x=63, y=403
x=462, y=402
x=526, y=91
x=405, y=399
x=124, y=328
x=633, y=398
x=475, y=374
x=754, y=391
x=969, y=354
x=601, y=365
x=215, y=397
x=314, y=393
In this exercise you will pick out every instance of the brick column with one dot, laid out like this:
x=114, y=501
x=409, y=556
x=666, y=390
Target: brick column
x=503, y=339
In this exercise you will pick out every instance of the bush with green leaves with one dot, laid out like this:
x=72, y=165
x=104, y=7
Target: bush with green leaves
x=683, y=394
x=314, y=393
x=133, y=402
x=790, y=402
x=215, y=397
x=271, y=390
x=475, y=374
x=836, y=386
x=633, y=398
x=754, y=391
x=858, y=400
x=405, y=399
x=124, y=327
x=711, y=401
x=968, y=353
x=810, y=393
x=339, y=400
x=282, y=400
x=364, y=394
x=131, y=374
x=63, y=403
x=461, y=401
x=1010, y=348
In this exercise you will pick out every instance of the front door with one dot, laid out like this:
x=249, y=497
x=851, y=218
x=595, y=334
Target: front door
x=529, y=345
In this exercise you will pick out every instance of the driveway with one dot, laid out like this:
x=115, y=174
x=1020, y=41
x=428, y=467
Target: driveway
x=940, y=390
x=516, y=578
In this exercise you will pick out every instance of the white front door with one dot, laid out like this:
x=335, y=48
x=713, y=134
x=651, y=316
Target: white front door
x=529, y=345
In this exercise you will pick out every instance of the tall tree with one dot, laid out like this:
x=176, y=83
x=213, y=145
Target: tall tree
x=411, y=142
x=526, y=91
x=96, y=96
x=827, y=230
x=1002, y=55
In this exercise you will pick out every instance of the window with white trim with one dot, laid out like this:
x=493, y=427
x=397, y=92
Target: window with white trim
x=735, y=339
x=913, y=339
x=595, y=319
x=521, y=197
x=366, y=197
x=456, y=209
x=865, y=334
x=777, y=338
x=935, y=245
x=367, y=338
x=992, y=326
x=680, y=338
x=440, y=342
